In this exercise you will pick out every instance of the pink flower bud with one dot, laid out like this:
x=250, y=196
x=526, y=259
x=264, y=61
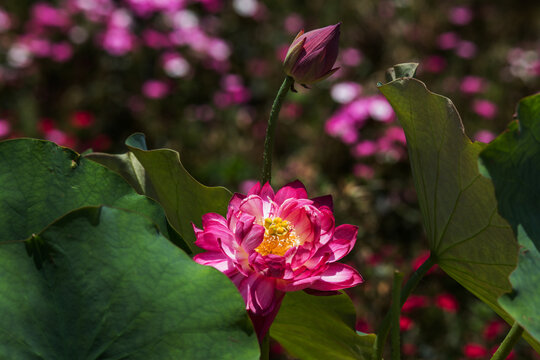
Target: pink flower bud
x=312, y=55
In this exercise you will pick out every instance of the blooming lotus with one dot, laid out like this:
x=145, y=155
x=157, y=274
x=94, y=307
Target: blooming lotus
x=271, y=243
x=312, y=55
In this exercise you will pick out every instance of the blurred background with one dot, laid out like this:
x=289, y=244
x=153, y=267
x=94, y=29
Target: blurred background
x=199, y=76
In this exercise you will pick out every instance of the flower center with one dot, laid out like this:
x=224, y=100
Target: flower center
x=279, y=236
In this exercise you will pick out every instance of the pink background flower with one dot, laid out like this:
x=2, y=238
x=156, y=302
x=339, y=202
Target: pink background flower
x=484, y=136
x=155, y=89
x=485, y=108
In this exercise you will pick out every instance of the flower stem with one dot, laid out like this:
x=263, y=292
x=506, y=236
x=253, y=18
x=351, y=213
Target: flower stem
x=271, y=129
x=410, y=285
x=265, y=348
x=395, y=311
x=508, y=343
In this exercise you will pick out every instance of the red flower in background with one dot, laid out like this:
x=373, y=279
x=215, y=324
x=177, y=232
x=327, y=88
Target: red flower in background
x=474, y=351
x=447, y=302
x=82, y=119
x=414, y=302
x=405, y=323
x=409, y=349
x=420, y=259
x=493, y=329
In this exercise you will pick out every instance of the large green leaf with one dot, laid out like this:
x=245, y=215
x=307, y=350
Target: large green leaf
x=512, y=161
x=320, y=327
x=184, y=199
x=112, y=287
x=468, y=238
x=523, y=303
x=128, y=167
x=42, y=181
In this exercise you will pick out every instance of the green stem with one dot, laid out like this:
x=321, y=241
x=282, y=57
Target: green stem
x=395, y=311
x=410, y=285
x=11, y=242
x=265, y=348
x=508, y=343
x=271, y=129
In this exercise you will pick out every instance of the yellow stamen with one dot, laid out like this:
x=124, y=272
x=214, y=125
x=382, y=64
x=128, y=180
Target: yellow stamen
x=279, y=236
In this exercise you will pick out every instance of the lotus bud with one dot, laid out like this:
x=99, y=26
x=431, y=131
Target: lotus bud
x=312, y=55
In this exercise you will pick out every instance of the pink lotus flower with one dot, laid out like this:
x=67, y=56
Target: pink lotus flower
x=312, y=55
x=271, y=243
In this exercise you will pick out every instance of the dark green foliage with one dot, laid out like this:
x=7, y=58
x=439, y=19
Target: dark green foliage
x=470, y=241
x=115, y=288
x=512, y=161
x=320, y=327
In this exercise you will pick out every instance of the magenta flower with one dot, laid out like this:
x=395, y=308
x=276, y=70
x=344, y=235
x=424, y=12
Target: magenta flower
x=155, y=89
x=466, y=49
x=448, y=40
x=271, y=243
x=460, y=15
x=5, y=20
x=312, y=55
x=365, y=148
x=44, y=14
x=434, y=64
x=484, y=136
x=5, y=128
x=364, y=171
x=61, y=52
x=472, y=85
x=485, y=108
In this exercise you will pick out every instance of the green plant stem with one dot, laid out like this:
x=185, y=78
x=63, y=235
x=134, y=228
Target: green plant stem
x=410, y=285
x=508, y=343
x=395, y=312
x=271, y=129
x=265, y=348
